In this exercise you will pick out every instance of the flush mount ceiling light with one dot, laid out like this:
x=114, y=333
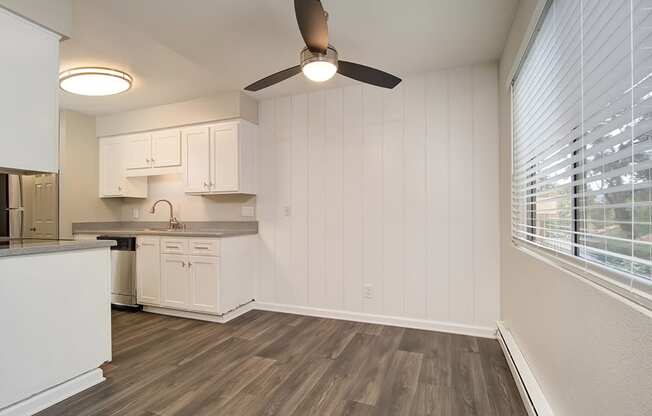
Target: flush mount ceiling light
x=94, y=81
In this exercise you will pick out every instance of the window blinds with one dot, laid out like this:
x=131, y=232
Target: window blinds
x=582, y=136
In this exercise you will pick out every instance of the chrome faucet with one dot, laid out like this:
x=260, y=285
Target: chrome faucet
x=174, y=223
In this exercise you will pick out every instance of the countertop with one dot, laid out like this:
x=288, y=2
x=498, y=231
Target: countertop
x=20, y=247
x=216, y=229
x=125, y=232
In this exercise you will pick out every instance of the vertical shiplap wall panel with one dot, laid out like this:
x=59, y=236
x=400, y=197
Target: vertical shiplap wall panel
x=333, y=199
x=373, y=196
x=266, y=205
x=486, y=229
x=285, y=289
x=393, y=202
x=316, y=198
x=393, y=189
x=437, y=211
x=414, y=162
x=460, y=195
x=299, y=198
x=352, y=204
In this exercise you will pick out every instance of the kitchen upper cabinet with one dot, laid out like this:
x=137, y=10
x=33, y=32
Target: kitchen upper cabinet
x=113, y=181
x=29, y=85
x=166, y=149
x=204, y=280
x=138, y=151
x=175, y=281
x=221, y=159
x=157, y=153
x=148, y=270
x=198, y=164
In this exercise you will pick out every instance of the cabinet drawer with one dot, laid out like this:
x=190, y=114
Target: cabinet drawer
x=174, y=246
x=205, y=247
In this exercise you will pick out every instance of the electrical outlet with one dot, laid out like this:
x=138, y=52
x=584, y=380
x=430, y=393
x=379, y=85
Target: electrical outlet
x=135, y=213
x=368, y=291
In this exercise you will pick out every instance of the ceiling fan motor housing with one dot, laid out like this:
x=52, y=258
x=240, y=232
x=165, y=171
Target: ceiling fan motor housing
x=308, y=56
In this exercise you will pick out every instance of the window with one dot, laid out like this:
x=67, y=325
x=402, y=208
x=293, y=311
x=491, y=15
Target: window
x=582, y=140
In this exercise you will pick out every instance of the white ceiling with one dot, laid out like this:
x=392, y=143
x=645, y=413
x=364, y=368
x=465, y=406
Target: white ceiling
x=178, y=50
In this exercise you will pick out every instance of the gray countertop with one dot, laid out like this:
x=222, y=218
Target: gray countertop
x=20, y=247
x=214, y=229
x=126, y=232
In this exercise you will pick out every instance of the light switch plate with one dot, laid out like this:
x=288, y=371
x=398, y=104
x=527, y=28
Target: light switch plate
x=248, y=211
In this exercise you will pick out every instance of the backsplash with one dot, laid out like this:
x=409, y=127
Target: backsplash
x=186, y=207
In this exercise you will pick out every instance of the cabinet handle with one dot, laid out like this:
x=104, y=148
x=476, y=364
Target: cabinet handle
x=172, y=247
x=205, y=184
x=189, y=264
x=183, y=264
x=119, y=188
x=146, y=160
x=201, y=247
x=152, y=160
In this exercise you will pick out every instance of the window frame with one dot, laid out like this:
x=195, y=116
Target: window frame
x=626, y=286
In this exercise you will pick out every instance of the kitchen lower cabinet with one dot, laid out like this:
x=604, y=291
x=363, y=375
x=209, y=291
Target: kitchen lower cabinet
x=175, y=281
x=205, y=276
x=204, y=281
x=148, y=270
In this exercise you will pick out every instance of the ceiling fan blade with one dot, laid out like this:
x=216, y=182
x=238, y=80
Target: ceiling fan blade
x=367, y=74
x=274, y=78
x=312, y=24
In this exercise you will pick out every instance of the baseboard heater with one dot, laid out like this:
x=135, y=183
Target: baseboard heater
x=531, y=393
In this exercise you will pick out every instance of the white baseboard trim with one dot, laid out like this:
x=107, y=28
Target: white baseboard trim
x=53, y=395
x=476, y=331
x=535, y=402
x=201, y=316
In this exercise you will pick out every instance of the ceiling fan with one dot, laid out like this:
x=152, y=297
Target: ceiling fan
x=319, y=58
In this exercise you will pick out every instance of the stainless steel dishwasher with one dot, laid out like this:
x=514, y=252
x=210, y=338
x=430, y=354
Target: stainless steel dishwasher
x=123, y=271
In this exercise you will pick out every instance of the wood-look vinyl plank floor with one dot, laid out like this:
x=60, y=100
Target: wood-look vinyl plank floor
x=267, y=363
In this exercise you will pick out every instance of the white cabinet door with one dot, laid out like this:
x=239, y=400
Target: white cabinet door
x=175, y=281
x=148, y=270
x=197, y=143
x=166, y=148
x=29, y=92
x=110, y=168
x=204, y=281
x=224, y=140
x=138, y=151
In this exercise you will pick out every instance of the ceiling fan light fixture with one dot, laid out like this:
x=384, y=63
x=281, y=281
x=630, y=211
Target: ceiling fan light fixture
x=94, y=81
x=319, y=67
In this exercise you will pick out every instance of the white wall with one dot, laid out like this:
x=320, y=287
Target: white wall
x=590, y=350
x=56, y=15
x=223, y=106
x=78, y=179
x=395, y=189
x=187, y=207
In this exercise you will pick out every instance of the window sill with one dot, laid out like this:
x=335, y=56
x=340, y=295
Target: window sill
x=625, y=286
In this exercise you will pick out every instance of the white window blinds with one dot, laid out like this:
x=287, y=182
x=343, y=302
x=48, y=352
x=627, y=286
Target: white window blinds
x=582, y=137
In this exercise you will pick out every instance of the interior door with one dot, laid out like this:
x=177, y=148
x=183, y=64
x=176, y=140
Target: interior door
x=175, y=281
x=166, y=148
x=148, y=270
x=138, y=151
x=197, y=142
x=204, y=281
x=45, y=216
x=225, y=158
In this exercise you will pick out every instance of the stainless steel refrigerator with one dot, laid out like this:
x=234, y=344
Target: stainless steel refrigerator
x=29, y=206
